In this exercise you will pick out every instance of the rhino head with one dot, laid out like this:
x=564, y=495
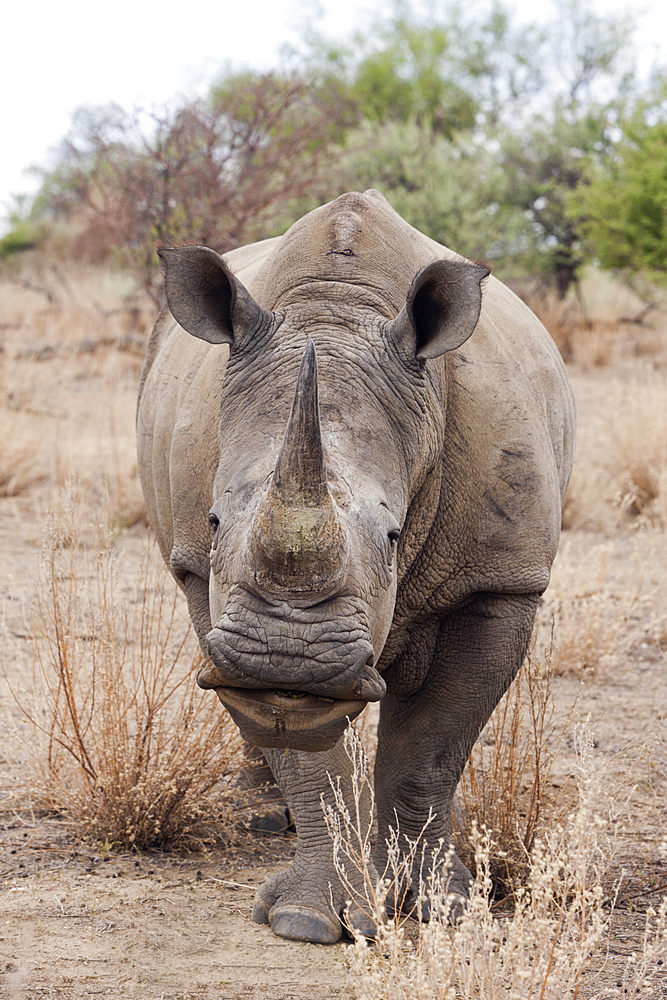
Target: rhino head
x=331, y=424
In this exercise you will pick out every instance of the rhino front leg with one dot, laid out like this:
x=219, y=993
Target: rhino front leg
x=255, y=775
x=425, y=740
x=307, y=901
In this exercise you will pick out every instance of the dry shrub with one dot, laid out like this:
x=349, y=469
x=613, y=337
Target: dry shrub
x=20, y=468
x=121, y=742
x=590, y=341
x=540, y=952
x=601, y=604
x=620, y=470
x=562, y=318
x=594, y=344
x=505, y=784
x=604, y=321
x=636, y=458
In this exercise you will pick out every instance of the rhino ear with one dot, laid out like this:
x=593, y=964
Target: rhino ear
x=207, y=299
x=441, y=310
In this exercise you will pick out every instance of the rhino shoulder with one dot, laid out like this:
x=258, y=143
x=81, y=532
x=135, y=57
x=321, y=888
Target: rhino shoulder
x=509, y=441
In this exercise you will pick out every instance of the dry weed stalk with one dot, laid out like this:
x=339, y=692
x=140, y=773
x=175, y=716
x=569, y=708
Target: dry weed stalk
x=540, y=952
x=504, y=784
x=122, y=742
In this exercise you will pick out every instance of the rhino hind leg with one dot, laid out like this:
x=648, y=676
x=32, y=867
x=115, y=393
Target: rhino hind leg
x=268, y=809
x=307, y=902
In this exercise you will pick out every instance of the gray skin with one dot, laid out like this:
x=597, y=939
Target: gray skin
x=381, y=437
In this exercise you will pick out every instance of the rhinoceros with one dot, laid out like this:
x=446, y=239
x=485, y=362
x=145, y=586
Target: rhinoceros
x=354, y=445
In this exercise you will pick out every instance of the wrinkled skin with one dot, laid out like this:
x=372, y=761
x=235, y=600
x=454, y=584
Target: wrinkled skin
x=356, y=477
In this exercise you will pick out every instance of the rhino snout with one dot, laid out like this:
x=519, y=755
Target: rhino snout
x=347, y=673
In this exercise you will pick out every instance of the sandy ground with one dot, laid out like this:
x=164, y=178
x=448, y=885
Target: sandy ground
x=75, y=923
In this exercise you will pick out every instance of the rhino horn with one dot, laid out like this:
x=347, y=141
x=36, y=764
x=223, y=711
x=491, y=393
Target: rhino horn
x=298, y=541
x=300, y=473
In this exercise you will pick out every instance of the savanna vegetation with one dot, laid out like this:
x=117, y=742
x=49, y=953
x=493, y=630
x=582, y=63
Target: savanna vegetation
x=540, y=149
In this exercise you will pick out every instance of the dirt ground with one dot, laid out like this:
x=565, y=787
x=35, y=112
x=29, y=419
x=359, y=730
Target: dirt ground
x=76, y=922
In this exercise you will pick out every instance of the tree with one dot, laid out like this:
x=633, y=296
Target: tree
x=446, y=68
x=545, y=152
x=542, y=166
x=448, y=190
x=215, y=172
x=621, y=207
x=507, y=119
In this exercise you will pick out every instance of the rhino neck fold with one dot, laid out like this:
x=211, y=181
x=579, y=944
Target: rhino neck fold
x=298, y=542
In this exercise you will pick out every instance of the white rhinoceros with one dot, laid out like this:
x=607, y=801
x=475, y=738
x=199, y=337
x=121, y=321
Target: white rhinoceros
x=354, y=450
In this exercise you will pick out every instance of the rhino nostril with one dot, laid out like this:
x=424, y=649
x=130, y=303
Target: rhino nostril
x=370, y=686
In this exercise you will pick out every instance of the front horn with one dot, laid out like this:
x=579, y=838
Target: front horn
x=298, y=541
x=300, y=475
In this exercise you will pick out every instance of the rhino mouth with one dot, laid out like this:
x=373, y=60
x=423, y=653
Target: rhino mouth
x=291, y=676
x=289, y=719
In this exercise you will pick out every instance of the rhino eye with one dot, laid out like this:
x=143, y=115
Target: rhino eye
x=214, y=521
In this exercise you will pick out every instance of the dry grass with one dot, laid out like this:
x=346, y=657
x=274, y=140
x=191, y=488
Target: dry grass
x=121, y=742
x=588, y=342
x=557, y=929
x=505, y=784
x=620, y=471
x=72, y=349
x=636, y=457
x=20, y=466
x=604, y=601
x=606, y=321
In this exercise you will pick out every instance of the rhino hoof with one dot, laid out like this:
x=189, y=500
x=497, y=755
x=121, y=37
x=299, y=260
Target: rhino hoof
x=358, y=923
x=304, y=923
x=260, y=911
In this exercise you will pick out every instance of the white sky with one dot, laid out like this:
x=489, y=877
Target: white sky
x=59, y=54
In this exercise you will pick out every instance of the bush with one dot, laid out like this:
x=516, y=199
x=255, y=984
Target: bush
x=122, y=742
x=539, y=952
x=217, y=172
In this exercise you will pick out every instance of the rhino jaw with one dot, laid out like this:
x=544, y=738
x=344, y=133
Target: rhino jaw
x=289, y=720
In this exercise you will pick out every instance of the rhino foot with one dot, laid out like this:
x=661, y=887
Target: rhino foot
x=458, y=883
x=276, y=819
x=298, y=923
x=303, y=912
